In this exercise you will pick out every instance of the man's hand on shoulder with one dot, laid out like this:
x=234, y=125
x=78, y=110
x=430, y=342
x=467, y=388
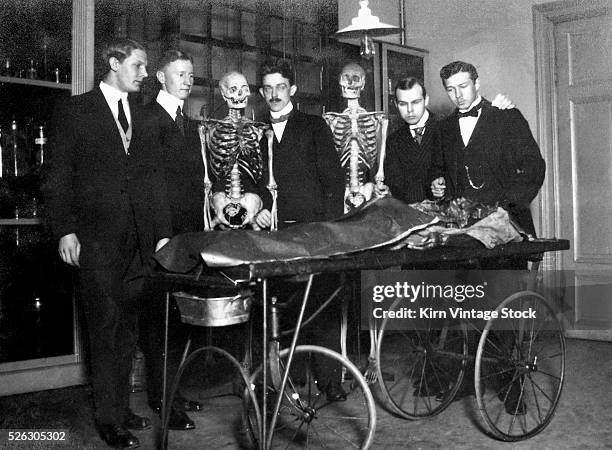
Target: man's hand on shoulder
x=70, y=249
x=501, y=101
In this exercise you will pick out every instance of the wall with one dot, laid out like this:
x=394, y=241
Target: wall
x=494, y=35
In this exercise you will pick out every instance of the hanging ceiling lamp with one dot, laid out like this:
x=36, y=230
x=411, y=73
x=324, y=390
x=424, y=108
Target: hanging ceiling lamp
x=365, y=26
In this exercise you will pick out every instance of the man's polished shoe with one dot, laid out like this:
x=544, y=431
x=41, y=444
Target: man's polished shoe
x=335, y=393
x=135, y=422
x=117, y=436
x=183, y=404
x=180, y=421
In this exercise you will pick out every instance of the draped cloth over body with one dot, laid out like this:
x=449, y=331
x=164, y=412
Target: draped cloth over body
x=381, y=222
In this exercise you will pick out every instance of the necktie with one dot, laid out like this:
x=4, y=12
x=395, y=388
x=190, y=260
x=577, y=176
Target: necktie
x=418, y=134
x=122, y=118
x=470, y=113
x=180, y=120
x=280, y=119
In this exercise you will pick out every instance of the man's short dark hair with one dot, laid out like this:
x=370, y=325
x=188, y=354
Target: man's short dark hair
x=282, y=66
x=169, y=56
x=408, y=83
x=455, y=67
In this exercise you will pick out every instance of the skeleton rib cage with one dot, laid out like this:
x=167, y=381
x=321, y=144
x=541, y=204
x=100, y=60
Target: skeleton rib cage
x=233, y=143
x=358, y=127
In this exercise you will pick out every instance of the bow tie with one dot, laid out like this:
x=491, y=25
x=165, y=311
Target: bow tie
x=470, y=113
x=280, y=119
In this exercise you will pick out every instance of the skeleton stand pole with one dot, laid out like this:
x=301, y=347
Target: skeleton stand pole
x=207, y=183
x=272, y=187
x=371, y=373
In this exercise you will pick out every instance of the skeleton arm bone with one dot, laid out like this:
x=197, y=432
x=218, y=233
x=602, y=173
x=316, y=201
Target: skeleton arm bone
x=207, y=184
x=380, y=175
x=272, y=187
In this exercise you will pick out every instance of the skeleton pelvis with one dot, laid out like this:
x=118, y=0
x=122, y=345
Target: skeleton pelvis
x=236, y=210
x=355, y=197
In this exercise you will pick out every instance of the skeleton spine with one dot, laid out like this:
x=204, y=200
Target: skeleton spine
x=235, y=185
x=354, y=158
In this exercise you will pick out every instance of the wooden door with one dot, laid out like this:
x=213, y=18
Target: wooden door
x=583, y=67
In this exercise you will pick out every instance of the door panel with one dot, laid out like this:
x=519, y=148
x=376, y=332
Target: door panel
x=584, y=163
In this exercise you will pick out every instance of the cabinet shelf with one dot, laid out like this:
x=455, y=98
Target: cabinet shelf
x=238, y=45
x=40, y=83
x=32, y=221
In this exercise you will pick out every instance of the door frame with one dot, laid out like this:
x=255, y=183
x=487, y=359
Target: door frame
x=545, y=17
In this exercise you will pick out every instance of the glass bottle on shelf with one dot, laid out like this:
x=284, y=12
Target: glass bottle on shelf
x=32, y=72
x=18, y=153
x=7, y=70
x=40, y=141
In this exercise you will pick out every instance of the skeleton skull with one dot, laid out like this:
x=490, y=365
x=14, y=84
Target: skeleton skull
x=352, y=80
x=235, y=90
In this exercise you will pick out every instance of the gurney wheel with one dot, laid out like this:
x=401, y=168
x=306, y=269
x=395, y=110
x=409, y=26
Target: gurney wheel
x=520, y=366
x=306, y=419
x=207, y=351
x=426, y=359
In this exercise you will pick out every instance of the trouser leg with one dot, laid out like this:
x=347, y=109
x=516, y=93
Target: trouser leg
x=111, y=318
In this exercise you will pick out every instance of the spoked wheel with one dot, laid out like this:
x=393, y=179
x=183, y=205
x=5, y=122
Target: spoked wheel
x=306, y=418
x=426, y=362
x=520, y=367
x=207, y=352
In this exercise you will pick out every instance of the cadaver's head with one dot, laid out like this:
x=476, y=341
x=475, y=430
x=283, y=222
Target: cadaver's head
x=352, y=80
x=235, y=90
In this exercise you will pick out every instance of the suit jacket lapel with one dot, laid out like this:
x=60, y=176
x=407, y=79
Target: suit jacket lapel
x=427, y=136
x=104, y=116
x=172, y=136
x=481, y=124
x=457, y=146
x=288, y=133
x=410, y=145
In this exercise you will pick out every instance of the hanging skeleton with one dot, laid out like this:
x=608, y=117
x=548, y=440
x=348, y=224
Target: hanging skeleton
x=359, y=138
x=230, y=148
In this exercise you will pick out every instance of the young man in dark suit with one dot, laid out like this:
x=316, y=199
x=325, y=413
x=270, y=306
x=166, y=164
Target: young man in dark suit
x=306, y=166
x=310, y=183
x=489, y=155
x=106, y=198
x=409, y=149
x=184, y=173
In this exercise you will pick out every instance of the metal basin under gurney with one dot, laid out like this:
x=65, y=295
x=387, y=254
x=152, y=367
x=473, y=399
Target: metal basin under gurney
x=227, y=309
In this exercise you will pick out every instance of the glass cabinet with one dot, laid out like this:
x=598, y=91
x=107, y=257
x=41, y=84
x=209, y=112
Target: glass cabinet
x=42, y=61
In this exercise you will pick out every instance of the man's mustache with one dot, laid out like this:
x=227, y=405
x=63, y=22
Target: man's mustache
x=275, y=99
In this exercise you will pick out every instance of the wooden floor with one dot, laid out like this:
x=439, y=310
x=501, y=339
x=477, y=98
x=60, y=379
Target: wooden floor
x=583, y=419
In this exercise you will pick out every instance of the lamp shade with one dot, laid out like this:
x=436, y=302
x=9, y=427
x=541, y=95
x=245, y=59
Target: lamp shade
x=366, y=23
